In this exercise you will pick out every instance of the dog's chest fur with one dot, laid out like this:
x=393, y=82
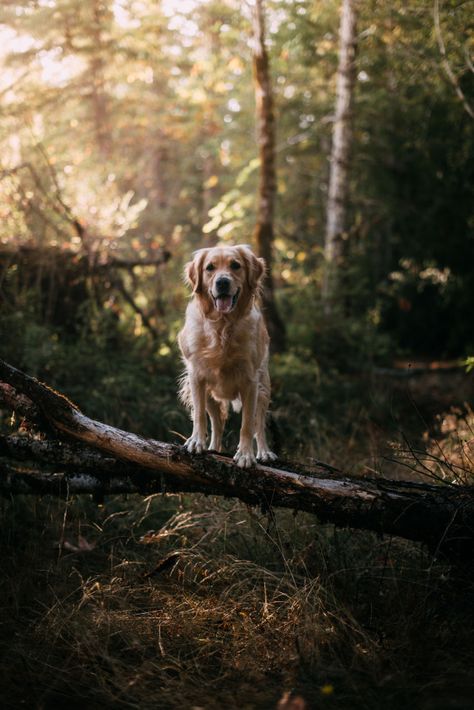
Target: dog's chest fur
x=221, y=353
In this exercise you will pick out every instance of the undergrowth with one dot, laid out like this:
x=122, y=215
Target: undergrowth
x=195, y=602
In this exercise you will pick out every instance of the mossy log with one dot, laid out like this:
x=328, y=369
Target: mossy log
x=81, y=455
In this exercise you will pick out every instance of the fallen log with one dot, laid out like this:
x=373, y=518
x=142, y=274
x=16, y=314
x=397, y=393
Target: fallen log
x=88, y=456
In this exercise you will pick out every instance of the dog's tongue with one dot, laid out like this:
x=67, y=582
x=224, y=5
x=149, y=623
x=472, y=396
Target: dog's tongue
x=224, y=304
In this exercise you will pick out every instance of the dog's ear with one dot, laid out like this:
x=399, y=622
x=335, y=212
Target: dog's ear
x=255, y=267
x=190, y=275
x=193, y=271
x=259, y=270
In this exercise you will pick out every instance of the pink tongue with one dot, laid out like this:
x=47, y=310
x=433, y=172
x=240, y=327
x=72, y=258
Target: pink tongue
x=224, y=304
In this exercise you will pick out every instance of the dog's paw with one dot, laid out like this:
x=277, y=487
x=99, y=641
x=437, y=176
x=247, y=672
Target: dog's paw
x=266, y=455
x=215, y=446
x=244, y=458
x=195, y=444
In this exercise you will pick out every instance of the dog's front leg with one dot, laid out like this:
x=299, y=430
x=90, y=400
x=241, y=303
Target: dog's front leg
x=244, y=456
x=196, y=443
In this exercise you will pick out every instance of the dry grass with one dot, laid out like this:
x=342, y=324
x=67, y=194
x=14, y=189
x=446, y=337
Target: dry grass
x=202, y=603
x=248, y=607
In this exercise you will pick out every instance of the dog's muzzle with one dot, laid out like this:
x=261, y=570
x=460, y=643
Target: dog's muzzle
x=223, y=300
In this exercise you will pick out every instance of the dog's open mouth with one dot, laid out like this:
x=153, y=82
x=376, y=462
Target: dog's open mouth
x=225, y=304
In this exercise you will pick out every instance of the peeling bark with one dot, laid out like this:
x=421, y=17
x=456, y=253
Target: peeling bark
x=100, y=459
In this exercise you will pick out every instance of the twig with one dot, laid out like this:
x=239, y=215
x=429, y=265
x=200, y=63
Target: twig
x=445, y=63
x=120, y=286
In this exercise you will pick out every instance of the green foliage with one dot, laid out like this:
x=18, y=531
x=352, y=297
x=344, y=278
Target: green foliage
x=130, y=126
x=111, y=376
x=424, y=306
x=127, y=127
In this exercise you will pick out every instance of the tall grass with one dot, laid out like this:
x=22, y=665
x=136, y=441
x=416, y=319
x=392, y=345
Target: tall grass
x=177, y=603
x=193, y=602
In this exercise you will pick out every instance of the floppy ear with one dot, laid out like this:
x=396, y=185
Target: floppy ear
x=193, y=271
x=190, y=275
x=259, y=269
x=255, y=267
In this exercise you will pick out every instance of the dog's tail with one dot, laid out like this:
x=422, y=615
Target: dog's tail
x=237, y=405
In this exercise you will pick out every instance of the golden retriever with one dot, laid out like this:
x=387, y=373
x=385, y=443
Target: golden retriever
x=224, y=343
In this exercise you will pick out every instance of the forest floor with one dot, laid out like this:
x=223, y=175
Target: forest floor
x=195, y=602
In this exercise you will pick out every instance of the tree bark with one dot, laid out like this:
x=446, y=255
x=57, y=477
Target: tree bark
x=98, y=96
x=264, y=232
x=340, y=156
x=100, y=459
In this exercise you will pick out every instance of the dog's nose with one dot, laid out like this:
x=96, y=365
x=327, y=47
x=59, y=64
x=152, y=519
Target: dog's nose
x=223, y=284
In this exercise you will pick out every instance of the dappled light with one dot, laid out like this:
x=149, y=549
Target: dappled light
x=335, y=139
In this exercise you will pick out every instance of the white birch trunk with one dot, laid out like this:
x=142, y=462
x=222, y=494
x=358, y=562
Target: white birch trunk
x=340, y=154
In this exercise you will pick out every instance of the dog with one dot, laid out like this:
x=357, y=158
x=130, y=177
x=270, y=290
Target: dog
x=224, y=345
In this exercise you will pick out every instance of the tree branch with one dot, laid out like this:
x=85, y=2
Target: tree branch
x=112, y=262
x=445, y=63
x=120, y=286
x=22, y=405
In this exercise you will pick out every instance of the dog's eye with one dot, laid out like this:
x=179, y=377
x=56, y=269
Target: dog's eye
x=234, y=265
x=210, y=267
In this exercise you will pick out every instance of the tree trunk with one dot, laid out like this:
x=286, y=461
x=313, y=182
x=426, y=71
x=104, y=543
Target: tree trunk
x=100, y=112
x=340, y=156
x=105, y=460
x=267, y=179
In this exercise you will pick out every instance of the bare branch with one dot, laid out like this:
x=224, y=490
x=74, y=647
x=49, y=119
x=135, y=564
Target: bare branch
x=445, y=63
x=19, y=403
x=120, y=286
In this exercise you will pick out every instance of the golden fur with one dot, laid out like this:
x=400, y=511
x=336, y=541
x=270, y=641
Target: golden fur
x=225, y=350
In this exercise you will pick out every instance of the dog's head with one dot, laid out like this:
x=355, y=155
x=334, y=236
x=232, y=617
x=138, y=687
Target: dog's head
x=225, y=279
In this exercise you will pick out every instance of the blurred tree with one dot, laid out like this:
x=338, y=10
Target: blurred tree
x=267, y=185
x=128, y=126
x=336, y=224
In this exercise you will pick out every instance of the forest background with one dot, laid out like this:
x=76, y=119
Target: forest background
x=129, y=138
